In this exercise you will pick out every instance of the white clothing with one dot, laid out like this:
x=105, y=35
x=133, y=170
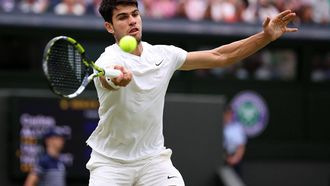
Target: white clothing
x=234, y=136
x=131, y=118
x=157, y=170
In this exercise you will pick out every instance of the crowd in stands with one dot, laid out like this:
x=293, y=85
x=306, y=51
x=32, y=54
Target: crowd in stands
x=262, y=66
x=320, y=67
x=229, y=11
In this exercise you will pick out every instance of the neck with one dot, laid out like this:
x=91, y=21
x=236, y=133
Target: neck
x=138, y=50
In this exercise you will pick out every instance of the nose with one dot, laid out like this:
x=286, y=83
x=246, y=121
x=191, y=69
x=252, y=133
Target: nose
x=132, y=20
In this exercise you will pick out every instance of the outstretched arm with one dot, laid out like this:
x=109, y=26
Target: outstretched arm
x=236, y=51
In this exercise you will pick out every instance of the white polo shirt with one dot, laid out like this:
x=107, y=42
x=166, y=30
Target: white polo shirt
x=131, y=118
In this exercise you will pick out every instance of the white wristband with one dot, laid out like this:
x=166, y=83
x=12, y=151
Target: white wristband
x=116, y=87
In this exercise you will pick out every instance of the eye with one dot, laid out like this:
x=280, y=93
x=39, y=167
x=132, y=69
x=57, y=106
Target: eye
x=135, y=13
x=122, y=17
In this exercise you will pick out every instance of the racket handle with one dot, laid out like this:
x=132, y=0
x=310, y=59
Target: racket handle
x=112, y=73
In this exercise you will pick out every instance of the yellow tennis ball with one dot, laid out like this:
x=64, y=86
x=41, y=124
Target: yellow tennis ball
x=128, y=43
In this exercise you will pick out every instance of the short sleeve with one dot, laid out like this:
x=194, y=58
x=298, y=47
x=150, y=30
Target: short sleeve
x=178, y=55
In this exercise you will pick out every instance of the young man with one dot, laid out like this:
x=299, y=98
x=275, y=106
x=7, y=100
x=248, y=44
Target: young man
x=234, y=141
x=128, y=143
x=49, y=170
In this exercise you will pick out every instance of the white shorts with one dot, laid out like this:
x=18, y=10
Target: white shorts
x=157, y=170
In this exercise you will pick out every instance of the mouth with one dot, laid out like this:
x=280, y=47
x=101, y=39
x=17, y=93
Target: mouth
x=133, y=31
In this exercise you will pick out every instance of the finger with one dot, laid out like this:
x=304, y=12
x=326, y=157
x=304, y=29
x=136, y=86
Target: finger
x=288, y=18
x=125, y=81
x=283, y=14
x=117, y=80
x=266, y=22
x=117, y=67
x=291, y=29
x=125, y=71
x=129, y=76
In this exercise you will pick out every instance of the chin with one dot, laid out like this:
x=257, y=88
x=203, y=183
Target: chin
x=138, y=39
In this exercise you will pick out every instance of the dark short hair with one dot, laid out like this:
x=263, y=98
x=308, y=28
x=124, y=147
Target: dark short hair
x=54, y=131
x=107, y=6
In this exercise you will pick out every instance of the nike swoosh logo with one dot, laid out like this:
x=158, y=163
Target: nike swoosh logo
x=170, y=177
x=157, y=64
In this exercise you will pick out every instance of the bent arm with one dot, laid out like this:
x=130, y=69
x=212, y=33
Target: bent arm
x=31, y=180
x=237, y=157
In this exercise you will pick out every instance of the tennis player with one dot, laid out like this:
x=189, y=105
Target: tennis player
x=128, y=143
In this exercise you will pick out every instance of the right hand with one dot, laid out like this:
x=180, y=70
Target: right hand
x=124, y=79
x=276, y=27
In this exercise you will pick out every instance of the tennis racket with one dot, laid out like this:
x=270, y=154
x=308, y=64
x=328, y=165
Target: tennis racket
x=68, y=69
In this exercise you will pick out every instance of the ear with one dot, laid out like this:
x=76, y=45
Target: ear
x=109, y=27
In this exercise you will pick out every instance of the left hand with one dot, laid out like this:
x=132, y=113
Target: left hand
x=276, y=27
x=231, y=160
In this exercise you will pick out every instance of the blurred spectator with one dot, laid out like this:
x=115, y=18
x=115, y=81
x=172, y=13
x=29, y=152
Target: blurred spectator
x=33, y=6
x=229, y=11
x=195, y=10
x=49, y=170
x=280, y=4
x=224, y=10
x=7, y=5
x=92, y=7
x=249, y=15
x=161, y=8
x=306, y=13
x=293, y=5
x=320, y=67
x=70, y=7
x=241, y=6
x=235, y=141
x=285, y=63
x=265, y=70
x=142, y=8
x=321, y=11
x=266, y=9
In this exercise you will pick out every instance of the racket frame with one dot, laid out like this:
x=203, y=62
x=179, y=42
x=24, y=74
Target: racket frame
x=87, y=62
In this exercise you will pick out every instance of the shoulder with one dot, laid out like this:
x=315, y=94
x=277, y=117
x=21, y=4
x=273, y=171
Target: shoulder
x=234, y=126
x=110, y=54
x=164, y=50
x=44, y=157
x=160, y=47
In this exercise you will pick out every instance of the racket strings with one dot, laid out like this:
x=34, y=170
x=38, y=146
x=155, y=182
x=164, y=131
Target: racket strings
x=65, y=68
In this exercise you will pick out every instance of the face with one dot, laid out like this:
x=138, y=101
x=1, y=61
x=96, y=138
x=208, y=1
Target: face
x=228, y=116
x=56, y=142
x=126, y=20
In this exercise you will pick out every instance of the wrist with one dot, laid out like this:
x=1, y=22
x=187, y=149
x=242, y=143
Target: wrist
x=268, y=37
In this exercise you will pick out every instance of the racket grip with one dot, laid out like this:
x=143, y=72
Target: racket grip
x=112, y=73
